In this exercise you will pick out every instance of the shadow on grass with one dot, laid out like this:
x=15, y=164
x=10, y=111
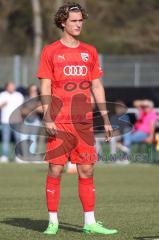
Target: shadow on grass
x=39, y=225
x=147, y=238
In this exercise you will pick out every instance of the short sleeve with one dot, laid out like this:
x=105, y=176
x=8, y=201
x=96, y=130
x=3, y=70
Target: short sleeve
x=97, y=71
x=45, y=68
x=2, y=98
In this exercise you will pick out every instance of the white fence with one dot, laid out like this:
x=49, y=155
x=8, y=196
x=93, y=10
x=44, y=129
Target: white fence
x=130, y=71
x=21, y=70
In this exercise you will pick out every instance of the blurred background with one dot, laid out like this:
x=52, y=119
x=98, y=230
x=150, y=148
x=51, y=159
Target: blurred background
x=125, y=33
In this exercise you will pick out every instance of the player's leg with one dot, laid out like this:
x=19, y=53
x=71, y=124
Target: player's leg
x=57, y=154
x=53, y=196
x=84, y=156
x=87, y=197
x=86, y=190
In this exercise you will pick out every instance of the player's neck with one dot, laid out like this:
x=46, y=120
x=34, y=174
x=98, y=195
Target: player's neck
x=70, y=41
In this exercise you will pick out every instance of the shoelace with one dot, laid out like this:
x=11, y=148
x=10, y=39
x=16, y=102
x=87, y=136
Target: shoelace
x=99, y=223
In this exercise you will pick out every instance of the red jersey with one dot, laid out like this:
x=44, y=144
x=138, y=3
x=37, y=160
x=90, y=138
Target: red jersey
x=71, y=71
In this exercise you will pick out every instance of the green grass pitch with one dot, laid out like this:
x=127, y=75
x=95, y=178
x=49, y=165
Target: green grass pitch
x=127, y=198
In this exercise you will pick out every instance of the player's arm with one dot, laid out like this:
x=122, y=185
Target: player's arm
x=99, y=95
x=45, y=90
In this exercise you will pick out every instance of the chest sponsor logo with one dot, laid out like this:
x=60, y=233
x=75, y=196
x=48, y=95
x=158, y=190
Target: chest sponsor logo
x=75, y=70
x=85, y=56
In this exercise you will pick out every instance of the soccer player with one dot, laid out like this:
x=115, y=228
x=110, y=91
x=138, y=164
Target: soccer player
x=69, y=72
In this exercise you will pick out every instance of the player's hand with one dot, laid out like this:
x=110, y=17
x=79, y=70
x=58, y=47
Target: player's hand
x=108, y=132
x=51, y=128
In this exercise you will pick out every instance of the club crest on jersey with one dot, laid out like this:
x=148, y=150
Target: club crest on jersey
x=85, y=56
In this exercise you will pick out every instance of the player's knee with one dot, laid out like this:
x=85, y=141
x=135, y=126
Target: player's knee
x=87, y=172
x=55, y=171
x=56, y=174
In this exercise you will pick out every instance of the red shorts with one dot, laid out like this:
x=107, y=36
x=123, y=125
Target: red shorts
x=74, y=141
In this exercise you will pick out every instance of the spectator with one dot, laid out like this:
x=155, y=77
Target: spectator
x=120, y=120
x=10, y=99
x=144, y=128
x=31, y=118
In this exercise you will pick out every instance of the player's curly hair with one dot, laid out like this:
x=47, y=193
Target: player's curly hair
x=63, y=13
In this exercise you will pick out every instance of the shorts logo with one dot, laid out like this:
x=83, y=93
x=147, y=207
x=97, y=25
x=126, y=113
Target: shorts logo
x=75, y=70
x=85, y=56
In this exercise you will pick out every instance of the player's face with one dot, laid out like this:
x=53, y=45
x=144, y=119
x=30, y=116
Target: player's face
x=73, y=24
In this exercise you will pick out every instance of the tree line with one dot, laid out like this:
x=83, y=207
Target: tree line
x=113, y=26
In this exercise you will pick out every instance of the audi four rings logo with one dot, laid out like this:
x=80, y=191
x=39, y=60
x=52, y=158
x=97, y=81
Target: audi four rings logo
x=75, y=70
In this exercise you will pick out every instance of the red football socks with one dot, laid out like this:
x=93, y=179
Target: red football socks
x=87, y=193
x=52, y=193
